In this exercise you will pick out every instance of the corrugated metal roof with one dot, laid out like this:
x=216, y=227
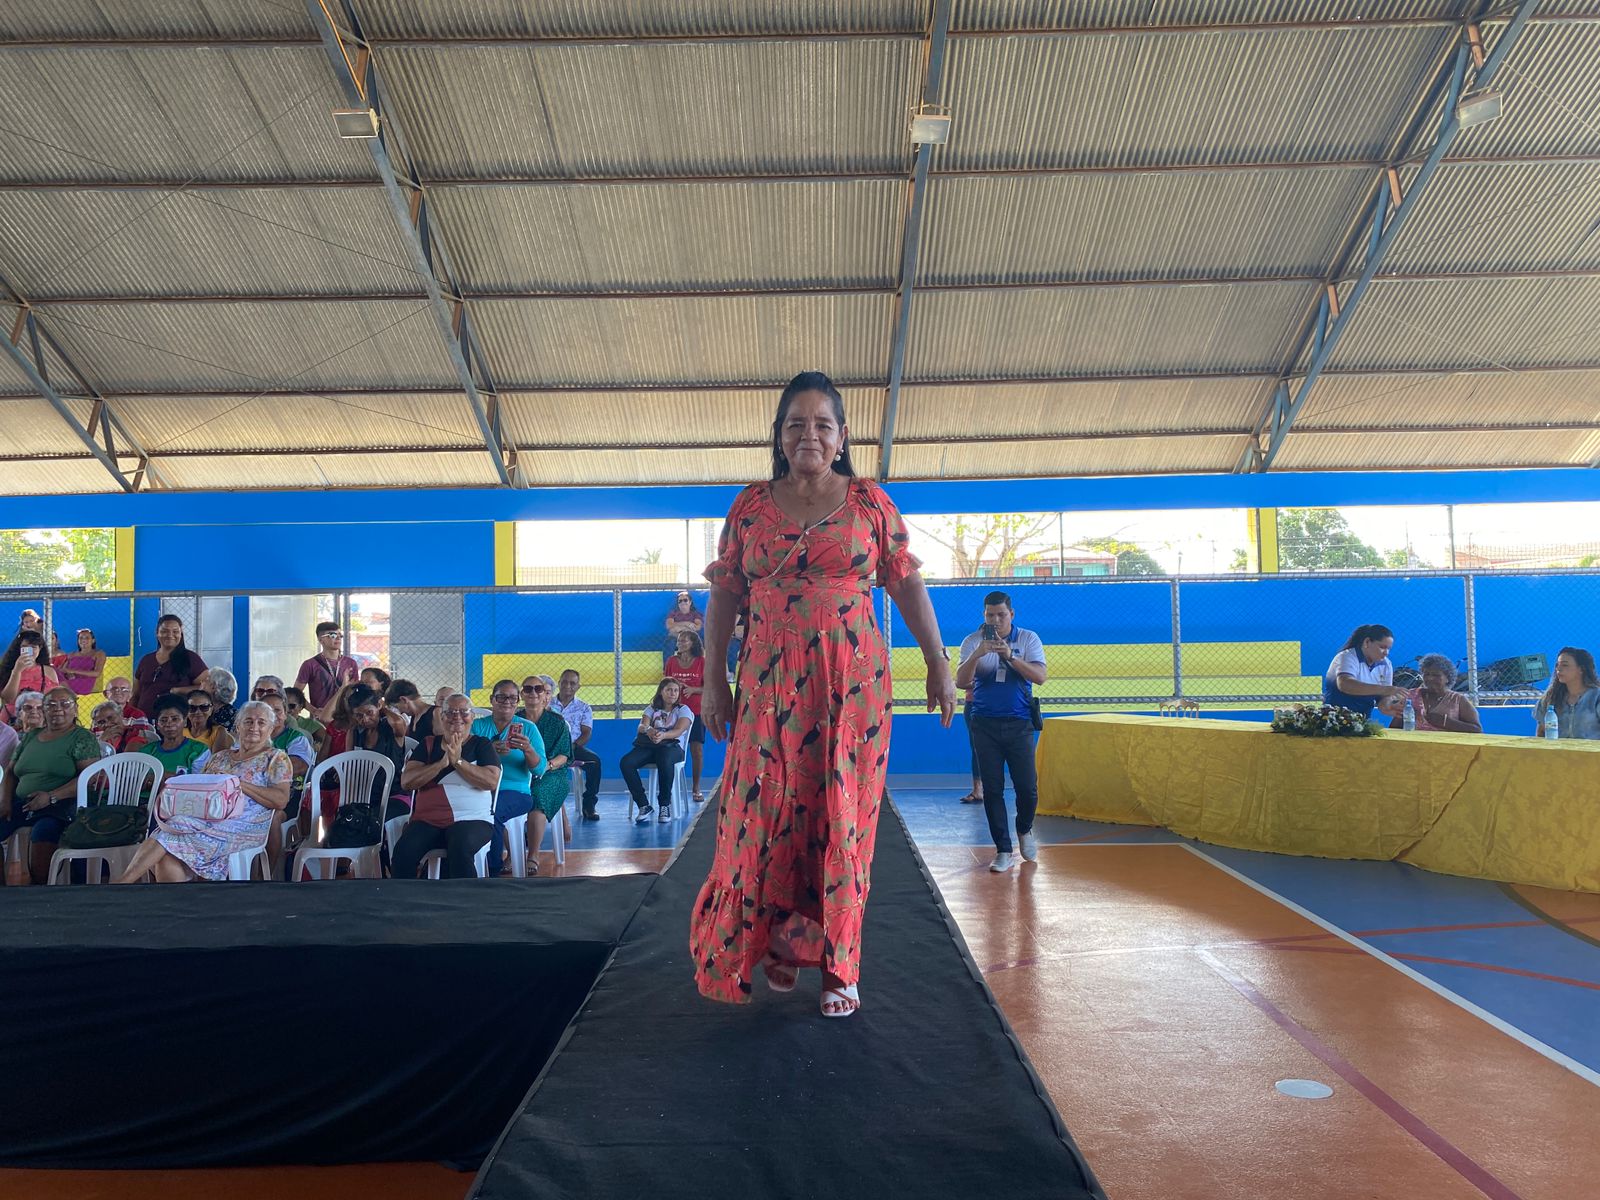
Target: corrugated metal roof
x=1346, y=451
x=58, y=477
x=1489, y=217
x=1126, y=14
x=1549, y=86
x=1025, y=332
x=734, y=340
x=611, y=18
x=31, y=426
x=1477, y=398
x=1104, y=99
x=1013, y=229
x=1129, y=456
x=270, y=472
x=1189, y=405
x=174, y=113
x=673, y=419
x=1472, y=323
x=696, y=109
x=249, y=242
x=91, y=19
x=200, y=346
x=277, y=423
x=558, y=468
x=641, y=237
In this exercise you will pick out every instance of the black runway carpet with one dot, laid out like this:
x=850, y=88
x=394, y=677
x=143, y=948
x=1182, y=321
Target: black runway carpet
x=656, y=1092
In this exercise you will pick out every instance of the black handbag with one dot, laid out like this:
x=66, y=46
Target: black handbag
x=104, y=826
x=354, y=825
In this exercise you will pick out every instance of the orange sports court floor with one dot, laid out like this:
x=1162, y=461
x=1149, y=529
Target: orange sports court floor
x=1164, y=989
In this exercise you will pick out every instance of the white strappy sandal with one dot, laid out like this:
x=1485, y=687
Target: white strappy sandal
x=840, y=1001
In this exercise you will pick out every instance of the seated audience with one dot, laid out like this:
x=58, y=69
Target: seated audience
x=188, y=847
x=403, y=697
x=663, y=730
x=1438, y=708
x=120, y=690
x=170, y=667
x=374, y=726
x=453, y=774
x=26, y=667
x=81, y=669
x=114, y=734
x=376, y=678
x=304, y=721
x=224, y=689
x=520, y=748
x=1574, y=693
x=550, y=790
x=683, y=617
x=40, y=791
x=9, y=738
x=200, y=707
x=266, y=685
x=688, y=667
x=442, y=695
x=30, y=711
x=1360, y=677
x=302, y=756
x=172, y=747
x=580, y=727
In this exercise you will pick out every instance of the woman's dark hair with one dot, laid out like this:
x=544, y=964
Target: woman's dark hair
x=25, y=637
x=1365, y=632
x=656, y=702
x=1585, y=662
x=358, y=695
x=174, y=703
x=808, y=381
x=696, y=644
x=401, y=689
x=94, y=643
x=383, y=677
x=180, y=652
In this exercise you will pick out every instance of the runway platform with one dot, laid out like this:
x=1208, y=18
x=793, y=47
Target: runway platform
x=239, y=1024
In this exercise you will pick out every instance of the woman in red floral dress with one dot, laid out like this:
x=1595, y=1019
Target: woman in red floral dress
x=809, y=747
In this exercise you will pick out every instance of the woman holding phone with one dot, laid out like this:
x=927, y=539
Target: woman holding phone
x=516, y=739
x=26, y=667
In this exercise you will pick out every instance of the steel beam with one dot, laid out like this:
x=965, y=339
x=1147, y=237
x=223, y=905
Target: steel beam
x=1387, y=222
x=104, y=421
x=356, y=71
x=911, y=233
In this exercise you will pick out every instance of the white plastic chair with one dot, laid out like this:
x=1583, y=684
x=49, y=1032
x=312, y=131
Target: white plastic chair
x=680, y=790
x=359, y=773
x=127, y=778
x=517, y=841
x=15, y=848
x=242, y=863
x=432, y=862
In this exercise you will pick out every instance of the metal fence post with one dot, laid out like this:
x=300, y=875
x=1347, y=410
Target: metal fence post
x=616, y=652
x=1177, y=644
x=1470, y=595
x=48, y=624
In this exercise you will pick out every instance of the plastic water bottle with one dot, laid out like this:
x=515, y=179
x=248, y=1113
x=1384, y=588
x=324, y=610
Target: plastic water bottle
x=1408, y=719
x=1552, y=724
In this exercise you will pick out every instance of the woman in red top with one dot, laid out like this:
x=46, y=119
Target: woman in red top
x=26, y=668
x=688, y=667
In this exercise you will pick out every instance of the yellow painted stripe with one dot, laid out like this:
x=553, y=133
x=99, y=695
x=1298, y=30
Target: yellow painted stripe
x=505, y=553
x=123, y=547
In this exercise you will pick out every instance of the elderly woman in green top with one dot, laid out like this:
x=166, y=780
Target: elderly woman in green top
x=550, y=789
x=40, y=791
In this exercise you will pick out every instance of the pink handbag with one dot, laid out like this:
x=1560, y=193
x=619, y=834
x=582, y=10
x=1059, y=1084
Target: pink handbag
x=207, y=797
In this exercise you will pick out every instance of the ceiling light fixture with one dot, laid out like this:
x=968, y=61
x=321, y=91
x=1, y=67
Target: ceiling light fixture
x=1479, y=108
x=930, y=125
x=356, y=122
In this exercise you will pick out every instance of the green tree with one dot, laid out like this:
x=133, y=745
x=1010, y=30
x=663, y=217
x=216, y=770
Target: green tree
x=1131, y=560
x=1402, y=559
x=58, y=557
x=1320, y=539
x=649, y=558
x=995, y=541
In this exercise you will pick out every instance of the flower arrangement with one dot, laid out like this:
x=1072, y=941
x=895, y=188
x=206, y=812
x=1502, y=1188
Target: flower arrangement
x=1322, y=720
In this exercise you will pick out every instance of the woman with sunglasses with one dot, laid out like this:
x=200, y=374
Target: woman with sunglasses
x=550, y=789
x=200, y=707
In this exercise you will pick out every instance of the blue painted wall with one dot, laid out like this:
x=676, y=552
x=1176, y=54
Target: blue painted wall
x=264, y=557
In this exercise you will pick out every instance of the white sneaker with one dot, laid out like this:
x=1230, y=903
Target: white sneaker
x=1030, y=847
x=1003, y=861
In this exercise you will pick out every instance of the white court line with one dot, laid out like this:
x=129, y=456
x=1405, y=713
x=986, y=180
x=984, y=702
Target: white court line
x=1438, y=989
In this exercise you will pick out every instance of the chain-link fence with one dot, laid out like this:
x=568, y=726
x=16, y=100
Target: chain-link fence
x=1230, y=643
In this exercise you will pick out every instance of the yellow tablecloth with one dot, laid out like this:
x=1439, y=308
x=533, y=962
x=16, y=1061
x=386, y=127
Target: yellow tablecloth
x=1519, y=810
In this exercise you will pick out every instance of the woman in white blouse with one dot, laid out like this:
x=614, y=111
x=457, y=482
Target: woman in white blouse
x=1360, y=676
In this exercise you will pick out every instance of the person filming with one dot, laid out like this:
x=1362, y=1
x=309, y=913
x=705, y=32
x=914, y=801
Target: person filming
x=1002, y=663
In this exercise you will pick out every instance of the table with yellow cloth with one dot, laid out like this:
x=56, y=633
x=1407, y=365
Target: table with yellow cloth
x=1514, y=809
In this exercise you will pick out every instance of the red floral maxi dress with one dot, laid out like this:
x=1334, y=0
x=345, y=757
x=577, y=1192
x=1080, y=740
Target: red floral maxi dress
x=804, y=774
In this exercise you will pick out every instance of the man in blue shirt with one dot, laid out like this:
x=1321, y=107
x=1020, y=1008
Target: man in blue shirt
x=1002, y=664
